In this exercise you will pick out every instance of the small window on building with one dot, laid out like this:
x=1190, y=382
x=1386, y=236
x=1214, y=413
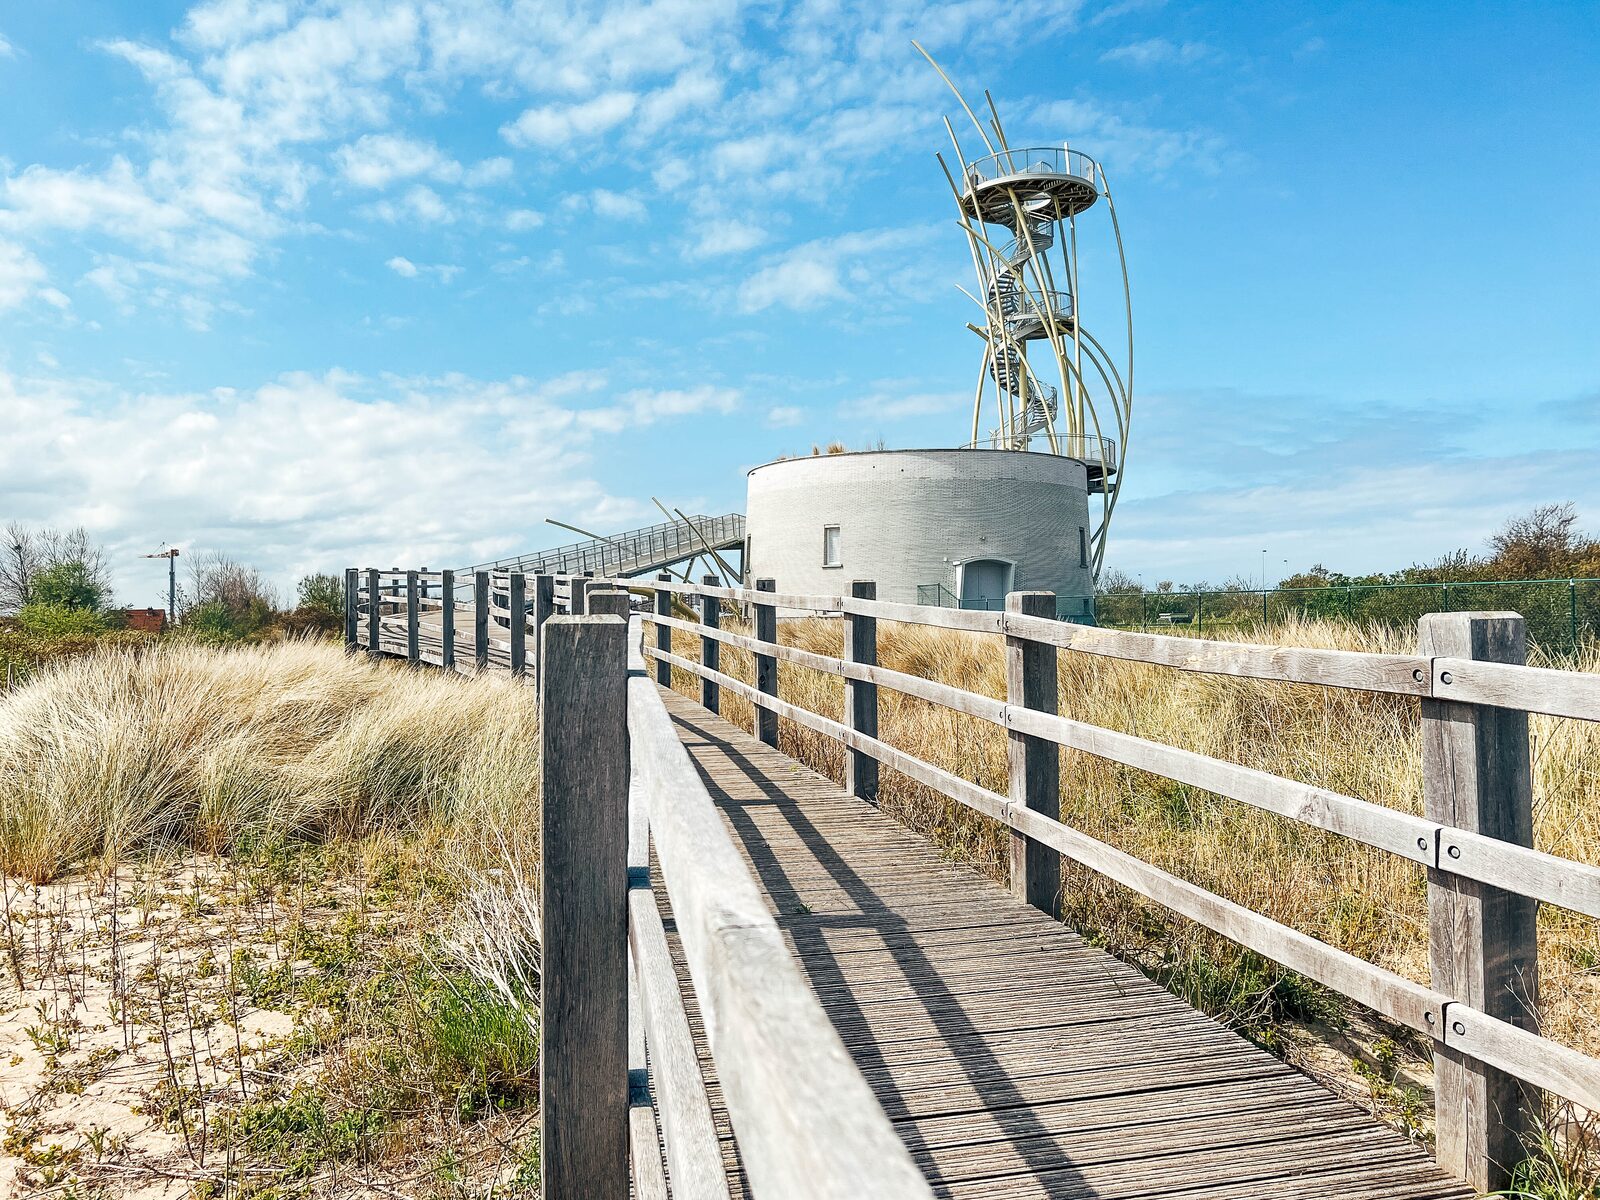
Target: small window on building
x=830, y=547
x=1083, y=546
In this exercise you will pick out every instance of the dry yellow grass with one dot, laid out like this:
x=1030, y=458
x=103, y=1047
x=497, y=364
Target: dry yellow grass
x=188, y=746
x=1359, y=899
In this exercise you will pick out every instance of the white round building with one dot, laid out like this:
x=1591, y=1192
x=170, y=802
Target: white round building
x=957, y=527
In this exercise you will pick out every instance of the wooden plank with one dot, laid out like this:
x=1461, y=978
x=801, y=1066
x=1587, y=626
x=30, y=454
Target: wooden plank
x=544, y=607
x=412, y=614
x=1404, y=674
x=447, y=620
x=860, y=696
x=1034, y=763
x=480, y=619
x=583, y=787
x=644, y=1134
x=352, y=609
x=1512, y=685
x=374, y=616
x=1482, y=940
x=807, y=1123
x=764, y=618
x=1513, y=1049
x=663, y=611
x=517, y=616
x=710, y=649
x=693, y=1156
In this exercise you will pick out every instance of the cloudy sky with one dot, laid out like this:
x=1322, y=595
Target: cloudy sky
x=334, y=283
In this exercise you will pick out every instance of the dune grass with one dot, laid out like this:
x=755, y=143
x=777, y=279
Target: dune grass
x=188, y=746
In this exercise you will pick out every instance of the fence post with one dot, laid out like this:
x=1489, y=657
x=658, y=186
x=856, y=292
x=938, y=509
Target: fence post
x=610, y=602
x=413, y=615
x=447, y=619
x=544, y=607
x=861, y=698
x=766, y=628
x=517, y=605
x=1572, y=611
x=578, y=593
x=583, y=887
x=374, y=615
x=1482, y=941
x=480, y=620
x=1035, y=764
x=710, y=649
x=663, y=634
x=352, y=609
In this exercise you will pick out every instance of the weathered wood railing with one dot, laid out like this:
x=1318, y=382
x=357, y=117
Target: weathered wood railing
x=620, y=1072
x=1485, y=880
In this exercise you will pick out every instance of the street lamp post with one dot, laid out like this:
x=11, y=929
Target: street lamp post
x=171, y=555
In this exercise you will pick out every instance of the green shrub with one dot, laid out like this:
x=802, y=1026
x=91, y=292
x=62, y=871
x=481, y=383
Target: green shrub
x=58, y=621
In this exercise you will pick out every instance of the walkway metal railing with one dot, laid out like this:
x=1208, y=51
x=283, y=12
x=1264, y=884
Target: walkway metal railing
x=628, y=553
x=804, y=1119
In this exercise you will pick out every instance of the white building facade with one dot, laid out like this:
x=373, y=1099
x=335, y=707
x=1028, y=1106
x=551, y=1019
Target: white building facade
x=952, y=527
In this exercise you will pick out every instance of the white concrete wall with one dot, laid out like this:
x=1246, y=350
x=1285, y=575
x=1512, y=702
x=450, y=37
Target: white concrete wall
x=908, y=517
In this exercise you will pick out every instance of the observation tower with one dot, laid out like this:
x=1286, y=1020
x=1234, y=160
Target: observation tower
x=1024, y=210
x=1008, y=509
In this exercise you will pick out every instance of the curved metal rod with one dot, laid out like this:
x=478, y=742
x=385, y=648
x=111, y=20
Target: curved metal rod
x=976, y=124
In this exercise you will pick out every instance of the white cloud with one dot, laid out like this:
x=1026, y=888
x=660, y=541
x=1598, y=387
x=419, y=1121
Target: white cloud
x=281, y=474
x=838, y=269
x=520, y=220
x=378, y=159
x=718, y=238
x=402, y=266
x=782, y=416
x=407, y=269
x=614, y=206
x=556, y=125
x=1124, y=144
x=6, y=49
x=1154, y=52
x=488, y=173
x=894, y=404
x=420, y=204
x=21, y=275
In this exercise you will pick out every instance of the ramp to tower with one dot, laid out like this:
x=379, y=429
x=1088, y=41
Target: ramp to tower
x=637, y=552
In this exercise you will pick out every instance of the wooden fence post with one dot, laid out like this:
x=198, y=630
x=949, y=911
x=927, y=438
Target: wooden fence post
x=583, y=889
x=413, y=614
x=861, y=698
x=710, y=649
x=517, y=608
x=766, y=628
x=374, y=614
x=480, y=620
x=663, y=634
x=610, y=602
x=1035, y=763
x=447, y=619
x=352, y=609
x=544, y=606
x=1482, y=941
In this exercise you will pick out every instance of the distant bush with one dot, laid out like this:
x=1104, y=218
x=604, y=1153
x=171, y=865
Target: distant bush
x=55, y=621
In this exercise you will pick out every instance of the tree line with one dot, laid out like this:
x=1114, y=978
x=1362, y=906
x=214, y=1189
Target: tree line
x=56, y=592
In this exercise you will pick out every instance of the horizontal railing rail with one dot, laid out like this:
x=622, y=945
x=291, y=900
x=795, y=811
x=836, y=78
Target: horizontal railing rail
x=1487, y=1031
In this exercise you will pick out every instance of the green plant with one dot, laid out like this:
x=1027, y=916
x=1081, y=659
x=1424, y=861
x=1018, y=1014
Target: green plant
x=69, y=583
x=50, y=620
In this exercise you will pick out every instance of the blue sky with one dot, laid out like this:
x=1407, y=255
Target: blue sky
x=334, y=283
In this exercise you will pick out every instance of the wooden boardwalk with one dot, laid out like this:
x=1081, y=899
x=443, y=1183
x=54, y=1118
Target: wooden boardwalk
x=1013, y=1059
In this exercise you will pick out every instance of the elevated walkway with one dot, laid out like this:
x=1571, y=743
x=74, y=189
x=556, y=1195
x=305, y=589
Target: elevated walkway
x=637, y=552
